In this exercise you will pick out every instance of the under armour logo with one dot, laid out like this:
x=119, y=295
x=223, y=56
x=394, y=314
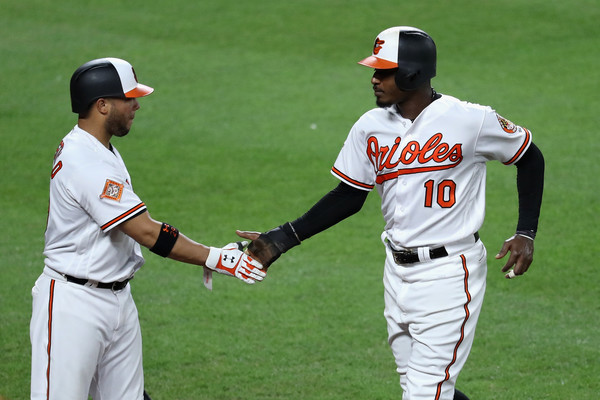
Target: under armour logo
x=231, y=257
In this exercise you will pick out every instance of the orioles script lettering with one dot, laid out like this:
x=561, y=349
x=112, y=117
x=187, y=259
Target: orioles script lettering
x=434, y=155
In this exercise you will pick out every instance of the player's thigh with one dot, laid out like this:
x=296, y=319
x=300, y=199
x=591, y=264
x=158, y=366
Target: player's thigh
x=38, y=333
x=66, y=340
x=396, y=317
x=120, y=372
x=444, y=328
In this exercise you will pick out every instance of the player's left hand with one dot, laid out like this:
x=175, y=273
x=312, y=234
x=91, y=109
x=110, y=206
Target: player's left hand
x=231, y=260
x=521, y=255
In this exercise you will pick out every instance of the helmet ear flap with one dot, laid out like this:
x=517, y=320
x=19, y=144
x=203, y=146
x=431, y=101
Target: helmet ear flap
x=407, y=80
x=416, y=59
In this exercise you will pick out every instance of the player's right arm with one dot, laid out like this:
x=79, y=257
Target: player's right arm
x=357, y=177
x=167, y=241
x=145, y=230
x=335, y=206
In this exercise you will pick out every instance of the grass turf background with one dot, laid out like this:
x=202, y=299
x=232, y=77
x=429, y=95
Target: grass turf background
x=252, y=103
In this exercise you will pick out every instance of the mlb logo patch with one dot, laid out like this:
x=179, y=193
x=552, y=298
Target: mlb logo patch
x=112, y=190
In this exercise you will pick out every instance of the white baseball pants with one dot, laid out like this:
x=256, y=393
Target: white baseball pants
x=84, y=341
x=431, y=309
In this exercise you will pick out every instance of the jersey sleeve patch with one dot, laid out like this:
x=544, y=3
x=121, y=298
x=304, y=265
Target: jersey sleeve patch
x=59, y=150
x=112, y=190
x=506, y=125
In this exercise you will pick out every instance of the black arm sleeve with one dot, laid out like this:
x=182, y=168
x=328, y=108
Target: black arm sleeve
x=335, y=206
x=530, y=185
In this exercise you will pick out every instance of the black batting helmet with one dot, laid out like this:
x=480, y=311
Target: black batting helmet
x=104, y=77
x=409, y=49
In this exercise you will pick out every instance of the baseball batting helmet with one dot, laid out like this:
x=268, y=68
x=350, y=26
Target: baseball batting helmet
x=104, y=77
x=409, y=49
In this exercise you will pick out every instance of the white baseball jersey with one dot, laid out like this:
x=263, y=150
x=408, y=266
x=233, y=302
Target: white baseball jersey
x=90, y=194
x=430, y=173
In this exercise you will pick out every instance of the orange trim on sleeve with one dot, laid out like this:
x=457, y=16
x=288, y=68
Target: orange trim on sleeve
x=350, y=180
x=522, y=149
x=123, y=216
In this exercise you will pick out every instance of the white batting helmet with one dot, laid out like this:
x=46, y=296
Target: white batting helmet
x=409, y=49
x=104, y=77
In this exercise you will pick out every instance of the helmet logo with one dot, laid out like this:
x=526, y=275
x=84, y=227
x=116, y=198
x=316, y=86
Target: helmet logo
x=378, y=45
x=134, y=75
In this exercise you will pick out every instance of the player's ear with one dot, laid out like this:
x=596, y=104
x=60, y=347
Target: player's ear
x=102, y=105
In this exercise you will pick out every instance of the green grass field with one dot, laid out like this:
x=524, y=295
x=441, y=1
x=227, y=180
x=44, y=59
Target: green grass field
x=252, y=104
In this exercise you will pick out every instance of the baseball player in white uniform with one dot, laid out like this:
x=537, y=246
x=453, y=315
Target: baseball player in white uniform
x=426, y=155
x=85, y=333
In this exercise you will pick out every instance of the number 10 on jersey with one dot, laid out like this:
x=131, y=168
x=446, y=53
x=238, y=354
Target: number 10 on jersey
x=443, y=193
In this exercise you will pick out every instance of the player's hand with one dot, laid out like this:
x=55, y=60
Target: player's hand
x=269, y=246
x=261, y=247
x=248, y=234
x=231, y=260
x=521, y=254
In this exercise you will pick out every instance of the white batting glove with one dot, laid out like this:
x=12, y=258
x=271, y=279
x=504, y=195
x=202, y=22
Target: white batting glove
x=231, y=260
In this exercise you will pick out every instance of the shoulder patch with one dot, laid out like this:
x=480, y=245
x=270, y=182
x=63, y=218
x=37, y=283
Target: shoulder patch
x=112, y=190
x=59, y=150
x=506, y=125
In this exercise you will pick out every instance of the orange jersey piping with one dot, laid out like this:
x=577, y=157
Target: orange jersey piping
x=123, y=217
x=521, y=150
x=50, y=306
x=350, y=180
x=462, y=328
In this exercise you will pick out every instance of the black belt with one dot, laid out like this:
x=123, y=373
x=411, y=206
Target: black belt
x=117, y=285
x=412, y=256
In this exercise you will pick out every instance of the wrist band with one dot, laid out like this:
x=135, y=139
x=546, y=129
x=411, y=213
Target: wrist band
x=214, y=255
x=528, y=233
x=295, y=234
x=166, y=240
